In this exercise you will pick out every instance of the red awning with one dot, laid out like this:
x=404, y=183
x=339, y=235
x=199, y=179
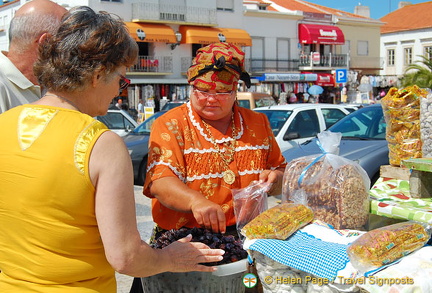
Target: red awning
x=320, y=34
x=325, y=79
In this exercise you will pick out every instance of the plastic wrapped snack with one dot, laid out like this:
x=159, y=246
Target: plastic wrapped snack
x=426, y=125
x=402, y=114
x=335, y=188
x=249, y=202
x=387, y=244
x=279, y=222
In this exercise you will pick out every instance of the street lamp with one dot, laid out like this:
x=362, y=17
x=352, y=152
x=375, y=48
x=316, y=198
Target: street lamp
x=178, y=37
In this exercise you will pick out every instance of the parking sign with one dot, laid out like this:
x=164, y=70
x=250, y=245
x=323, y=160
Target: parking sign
x=341, y=75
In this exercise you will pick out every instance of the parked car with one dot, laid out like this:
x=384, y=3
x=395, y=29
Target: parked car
x=118, y=121
x=363, y=140
x=253, y=100
x=295, y=123
x=137, y=144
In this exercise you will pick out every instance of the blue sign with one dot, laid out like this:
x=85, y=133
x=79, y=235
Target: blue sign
x=341, y=75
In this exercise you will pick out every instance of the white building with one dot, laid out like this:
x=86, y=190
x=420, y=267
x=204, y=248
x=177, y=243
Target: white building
x=406, y=34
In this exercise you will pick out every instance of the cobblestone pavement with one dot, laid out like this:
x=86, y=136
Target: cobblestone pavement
x=145, y=227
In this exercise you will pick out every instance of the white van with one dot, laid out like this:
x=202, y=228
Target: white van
x=253, y=100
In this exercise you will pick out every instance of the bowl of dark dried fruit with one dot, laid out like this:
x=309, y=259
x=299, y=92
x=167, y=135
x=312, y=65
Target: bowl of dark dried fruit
x=232, y=245
x=230, y=270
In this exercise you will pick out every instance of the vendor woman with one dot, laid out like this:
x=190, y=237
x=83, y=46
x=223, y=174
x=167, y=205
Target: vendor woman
x=200, y=151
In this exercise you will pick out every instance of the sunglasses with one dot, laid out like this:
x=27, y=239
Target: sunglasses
x=218, y=96
x=123, y=83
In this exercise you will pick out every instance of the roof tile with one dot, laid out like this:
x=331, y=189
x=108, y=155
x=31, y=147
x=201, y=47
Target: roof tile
x=410, y=17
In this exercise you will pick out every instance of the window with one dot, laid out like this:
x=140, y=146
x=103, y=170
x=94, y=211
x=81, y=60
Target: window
x=305, y=123
x=226, y=5
x=428, y=52
x=407, y=56
x=362, y=48
x=391, y=57
x=331, y=116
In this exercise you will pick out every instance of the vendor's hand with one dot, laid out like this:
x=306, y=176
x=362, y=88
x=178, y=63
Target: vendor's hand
x=275, y=177
x=209, y=215
x=186, y=256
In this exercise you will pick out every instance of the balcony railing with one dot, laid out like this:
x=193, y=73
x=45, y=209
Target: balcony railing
x=161, y=64
x=258, y=66
x=314, y=60
x=173, y=13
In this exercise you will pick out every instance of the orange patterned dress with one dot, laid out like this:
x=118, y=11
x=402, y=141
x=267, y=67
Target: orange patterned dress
x=181, y=147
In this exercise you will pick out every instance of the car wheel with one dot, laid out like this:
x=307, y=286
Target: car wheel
x=142, y=172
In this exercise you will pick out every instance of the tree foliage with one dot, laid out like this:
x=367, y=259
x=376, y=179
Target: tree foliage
x=419, y=73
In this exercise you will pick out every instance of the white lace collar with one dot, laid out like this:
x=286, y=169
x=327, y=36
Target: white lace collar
x=197, y=122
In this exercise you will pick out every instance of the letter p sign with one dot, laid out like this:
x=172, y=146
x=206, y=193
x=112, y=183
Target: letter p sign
x=341, y=76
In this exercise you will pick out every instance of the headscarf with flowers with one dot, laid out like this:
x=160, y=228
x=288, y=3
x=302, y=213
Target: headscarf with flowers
x=218, y=66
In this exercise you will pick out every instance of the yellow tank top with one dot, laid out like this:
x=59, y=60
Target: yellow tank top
x=49, y=238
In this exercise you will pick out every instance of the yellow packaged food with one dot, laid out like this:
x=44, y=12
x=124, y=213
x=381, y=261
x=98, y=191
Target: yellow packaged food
x=402, y=114
x=387, y=244
x=278, y=222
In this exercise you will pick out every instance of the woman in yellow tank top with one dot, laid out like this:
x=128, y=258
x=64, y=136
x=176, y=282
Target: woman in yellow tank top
x=67, y=208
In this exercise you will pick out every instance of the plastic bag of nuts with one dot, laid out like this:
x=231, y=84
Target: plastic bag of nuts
x=385, y=245
x=426, y=125
x=335, y=188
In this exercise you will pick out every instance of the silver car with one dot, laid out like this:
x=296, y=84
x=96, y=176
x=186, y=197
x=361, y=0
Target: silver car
x=363, y=140
x=118, y=121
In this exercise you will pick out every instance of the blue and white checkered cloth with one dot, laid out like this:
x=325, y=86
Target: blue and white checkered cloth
x=315, y=249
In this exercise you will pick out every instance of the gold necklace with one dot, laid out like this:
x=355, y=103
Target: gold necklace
x=228, y=175
x=64, y=100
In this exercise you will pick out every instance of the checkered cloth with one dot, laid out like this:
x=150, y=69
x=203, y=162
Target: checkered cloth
x=315, y=249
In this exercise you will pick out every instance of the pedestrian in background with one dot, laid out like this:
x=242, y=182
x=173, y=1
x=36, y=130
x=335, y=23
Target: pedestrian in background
x=67, y=208
x=28, y=29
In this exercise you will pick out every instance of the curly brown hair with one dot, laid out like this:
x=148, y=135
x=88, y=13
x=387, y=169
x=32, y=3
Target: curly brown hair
x=85, y=43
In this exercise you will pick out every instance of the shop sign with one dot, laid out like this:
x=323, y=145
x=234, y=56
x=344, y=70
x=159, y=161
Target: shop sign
x=288, y=77
x=316, y=58
x=309, y=77
x=282, y=77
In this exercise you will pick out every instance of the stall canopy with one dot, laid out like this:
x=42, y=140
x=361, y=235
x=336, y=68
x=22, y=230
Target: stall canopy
x=320, y=34
x=151, y=32
x=209, y=35
x=325, y=79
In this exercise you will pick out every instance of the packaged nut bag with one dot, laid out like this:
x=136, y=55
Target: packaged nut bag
x=279, y=222
x=402, y=114
x=385, y=245
x=335, y=188
x=426, y=124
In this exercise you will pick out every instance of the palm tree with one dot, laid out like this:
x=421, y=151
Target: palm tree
x=422, y=74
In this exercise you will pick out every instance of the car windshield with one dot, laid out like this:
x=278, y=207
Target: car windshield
x=145, y=127
x=276, y=118
x=365, y=123
x=115, y=120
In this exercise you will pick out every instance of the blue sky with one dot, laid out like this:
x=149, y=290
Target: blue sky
x=378, y=8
